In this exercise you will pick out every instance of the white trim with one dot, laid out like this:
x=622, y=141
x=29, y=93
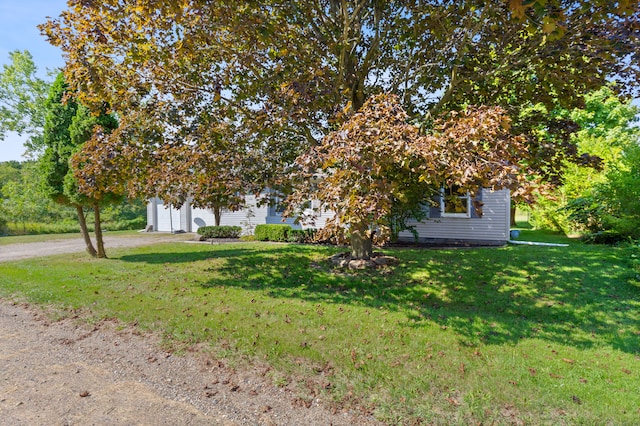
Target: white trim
x=443, y=213
x=535, y=243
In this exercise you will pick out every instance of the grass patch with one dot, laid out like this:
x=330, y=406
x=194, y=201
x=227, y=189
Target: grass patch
x=540, y=335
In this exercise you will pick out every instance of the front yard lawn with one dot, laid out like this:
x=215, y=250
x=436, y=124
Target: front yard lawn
x=512, y=335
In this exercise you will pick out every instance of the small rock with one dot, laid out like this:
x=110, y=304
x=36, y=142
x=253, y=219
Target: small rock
x=344, y=260
x=384, y=260
x=361, y=264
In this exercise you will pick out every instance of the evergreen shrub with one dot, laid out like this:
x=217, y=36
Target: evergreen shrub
x=276, y=232
x=220, y=231
x=302, y=235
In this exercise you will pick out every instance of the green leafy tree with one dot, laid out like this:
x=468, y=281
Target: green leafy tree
x=594, y=199
x=606, y=131
x=21, y=191
x=67, y=127
x=9, y=170
x=620, y=195
x=608, y=201
x=22, y=100
x=23, y=198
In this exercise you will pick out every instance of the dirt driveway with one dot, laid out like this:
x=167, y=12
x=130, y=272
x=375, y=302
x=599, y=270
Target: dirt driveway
x=66, y=373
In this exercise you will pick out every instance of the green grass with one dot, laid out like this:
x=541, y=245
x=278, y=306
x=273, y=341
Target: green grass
x=540, y=335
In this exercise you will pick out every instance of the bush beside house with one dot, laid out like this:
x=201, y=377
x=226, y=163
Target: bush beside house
x=219, y=231
x=272, y=232
x=284, y=233
x=302, y=235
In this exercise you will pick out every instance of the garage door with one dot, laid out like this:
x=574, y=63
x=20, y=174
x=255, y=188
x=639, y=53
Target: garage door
x=168, y=219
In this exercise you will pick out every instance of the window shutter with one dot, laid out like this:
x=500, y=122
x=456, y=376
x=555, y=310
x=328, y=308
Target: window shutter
x=434, y=210
x=476, y=201
x=273, y=206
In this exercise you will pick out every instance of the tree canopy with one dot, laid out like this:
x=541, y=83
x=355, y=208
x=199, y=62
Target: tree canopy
x=305, y=58
x=376, y=161
x=22, y=100
x=262, y=82
x=68, y=126
x=285, y=70
x=602, y=202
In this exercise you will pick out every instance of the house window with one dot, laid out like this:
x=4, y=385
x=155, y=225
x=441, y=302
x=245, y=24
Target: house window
x=311, y=205
x=277, y=206
x=454, y=202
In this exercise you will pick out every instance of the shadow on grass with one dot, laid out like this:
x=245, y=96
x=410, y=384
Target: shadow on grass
x=578, y=295
x=161, y=258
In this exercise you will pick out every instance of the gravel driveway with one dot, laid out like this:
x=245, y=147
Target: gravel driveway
x=27, y=250
x=68, y=373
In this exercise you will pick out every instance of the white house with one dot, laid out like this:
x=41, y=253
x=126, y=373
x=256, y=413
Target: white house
x=449, y=222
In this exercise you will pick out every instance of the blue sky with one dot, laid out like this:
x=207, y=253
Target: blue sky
x=18, y=31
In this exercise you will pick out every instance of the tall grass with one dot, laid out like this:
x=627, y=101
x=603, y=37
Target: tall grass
x=33, y=238
x=36, y=228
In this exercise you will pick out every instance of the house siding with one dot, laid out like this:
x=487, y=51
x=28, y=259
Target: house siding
x=152, y=213
x=242, y=218
x=320, y=219
x=492, y=227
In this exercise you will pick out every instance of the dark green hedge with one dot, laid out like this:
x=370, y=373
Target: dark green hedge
x=283, y=233
x=220, y=231
x=301, y=235
x=272, y=232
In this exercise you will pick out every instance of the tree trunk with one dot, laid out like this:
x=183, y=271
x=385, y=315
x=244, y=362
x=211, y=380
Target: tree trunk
x=361, y=243
x=85, y=232
x=217, y=213
x=98, y=229
x=513, y=215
